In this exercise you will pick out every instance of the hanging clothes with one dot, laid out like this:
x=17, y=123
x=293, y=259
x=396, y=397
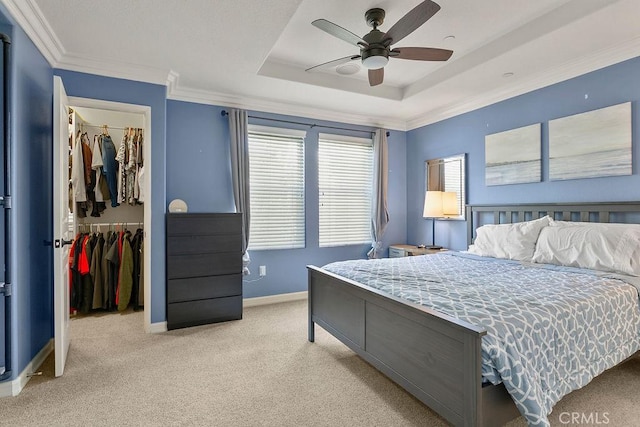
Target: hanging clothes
x=86, y=291
x=113, y=257
x=125, y=274
x=110, y=168
x=121, y=158
x=96, y=273
x=141, y=280
x=136, y=246
x=79, y=189
x=140, y=184
x=105, y=270
x=96, y=165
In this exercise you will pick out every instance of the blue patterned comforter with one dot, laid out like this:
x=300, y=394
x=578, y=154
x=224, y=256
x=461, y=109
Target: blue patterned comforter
x=550, y=329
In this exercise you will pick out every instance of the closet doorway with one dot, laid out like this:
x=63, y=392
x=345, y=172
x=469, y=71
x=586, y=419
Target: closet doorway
x=89, y=117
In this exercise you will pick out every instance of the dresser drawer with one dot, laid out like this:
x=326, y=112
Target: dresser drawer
x=180, y=290
x=182, y=266
x=185, y=245
x=201, y=312
x=187, y=224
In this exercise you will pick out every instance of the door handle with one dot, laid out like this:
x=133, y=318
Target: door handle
x=59, y=243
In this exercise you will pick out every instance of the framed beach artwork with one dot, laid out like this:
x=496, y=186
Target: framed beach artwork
x=513, y=156
x=592, y=144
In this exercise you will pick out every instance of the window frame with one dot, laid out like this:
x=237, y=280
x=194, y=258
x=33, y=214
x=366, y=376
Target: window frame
x=327, y=233
x=297, y=238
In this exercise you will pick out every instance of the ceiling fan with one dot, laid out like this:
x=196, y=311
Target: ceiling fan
x=375, y=47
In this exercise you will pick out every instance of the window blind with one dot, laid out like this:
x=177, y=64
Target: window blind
x=276, y=167
x=345, y=171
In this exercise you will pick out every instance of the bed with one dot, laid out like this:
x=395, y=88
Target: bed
x=437, y=355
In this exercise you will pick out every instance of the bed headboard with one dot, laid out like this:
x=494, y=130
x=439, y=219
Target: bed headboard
x=586, y=212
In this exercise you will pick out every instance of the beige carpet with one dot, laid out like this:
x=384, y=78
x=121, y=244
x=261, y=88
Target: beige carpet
x=259, y=371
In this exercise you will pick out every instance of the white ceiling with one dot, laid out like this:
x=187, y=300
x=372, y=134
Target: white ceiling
x=253, y=53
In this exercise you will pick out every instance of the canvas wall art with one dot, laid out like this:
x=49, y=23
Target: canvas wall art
x=592, y=144
x=513, y=156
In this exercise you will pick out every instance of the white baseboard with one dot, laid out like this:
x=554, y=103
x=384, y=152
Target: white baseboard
x=14, y=387
x=274, y=299
x=157, y=327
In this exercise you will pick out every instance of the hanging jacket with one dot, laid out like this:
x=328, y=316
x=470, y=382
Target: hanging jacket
x=86, y=296
x=113, y=259
x=126, y=274
x=96, y=273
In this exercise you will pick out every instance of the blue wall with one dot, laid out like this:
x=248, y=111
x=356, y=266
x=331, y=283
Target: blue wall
x=126, y=91
x=465, y=134
x=198, y=140
x=31, y=162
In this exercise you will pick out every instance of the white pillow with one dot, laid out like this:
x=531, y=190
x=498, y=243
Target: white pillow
x=596, y=246
x=511, y=241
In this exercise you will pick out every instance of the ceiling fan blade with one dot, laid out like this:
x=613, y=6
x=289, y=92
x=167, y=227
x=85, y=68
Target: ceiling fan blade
x=421, y=53
x=339, y=32
x=412, y=20
x=376, y=77
x=334, y=63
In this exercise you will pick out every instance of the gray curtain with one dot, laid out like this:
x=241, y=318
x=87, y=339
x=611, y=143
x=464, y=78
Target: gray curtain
x=238, y=130
x=379, y=212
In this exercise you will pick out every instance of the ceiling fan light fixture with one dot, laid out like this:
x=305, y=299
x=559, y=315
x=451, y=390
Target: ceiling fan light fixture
x=375, y=62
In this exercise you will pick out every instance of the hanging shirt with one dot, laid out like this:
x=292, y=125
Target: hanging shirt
x=96, y=165
x=87, y=157
x=121, y=158
x=141, y=185
x=77, y=173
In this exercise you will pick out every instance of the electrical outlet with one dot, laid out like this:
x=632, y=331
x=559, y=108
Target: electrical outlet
x=263, y=270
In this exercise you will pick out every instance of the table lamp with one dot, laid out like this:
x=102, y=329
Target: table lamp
x=439, y=204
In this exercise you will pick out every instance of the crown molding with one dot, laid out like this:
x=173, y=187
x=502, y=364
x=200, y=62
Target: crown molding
x=29, y=17
x=120, y=70
x=569, y=70
x=178, y=93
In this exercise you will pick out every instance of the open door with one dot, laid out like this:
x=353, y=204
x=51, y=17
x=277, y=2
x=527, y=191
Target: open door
x=62, y=223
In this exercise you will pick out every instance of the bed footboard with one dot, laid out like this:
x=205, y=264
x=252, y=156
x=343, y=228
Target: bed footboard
x=434, y=357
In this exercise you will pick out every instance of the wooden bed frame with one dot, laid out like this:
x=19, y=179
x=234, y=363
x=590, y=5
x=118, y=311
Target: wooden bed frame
x=435, y=357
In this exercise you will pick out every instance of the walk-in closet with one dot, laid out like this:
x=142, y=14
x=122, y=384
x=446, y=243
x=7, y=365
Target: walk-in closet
x=107, y=203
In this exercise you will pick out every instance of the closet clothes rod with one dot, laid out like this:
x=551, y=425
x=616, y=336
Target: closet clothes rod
x=109, y=127
x=311, y=125
x=105, y=224
x=111, y=224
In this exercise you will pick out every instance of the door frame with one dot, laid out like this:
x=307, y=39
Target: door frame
x=145, y=110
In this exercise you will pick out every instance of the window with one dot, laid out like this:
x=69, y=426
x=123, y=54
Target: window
x=276, y=167
x=345, y=171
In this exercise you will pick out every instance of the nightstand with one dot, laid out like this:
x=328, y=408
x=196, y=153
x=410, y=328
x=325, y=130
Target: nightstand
x=397, y=251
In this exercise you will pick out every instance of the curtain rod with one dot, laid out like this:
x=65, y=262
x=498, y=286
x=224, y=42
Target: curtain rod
x=311, y=125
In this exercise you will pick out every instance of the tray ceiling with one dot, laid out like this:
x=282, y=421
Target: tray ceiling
x=253, y=54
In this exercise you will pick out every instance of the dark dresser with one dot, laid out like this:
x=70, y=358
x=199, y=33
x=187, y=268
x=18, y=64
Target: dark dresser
x=204, y=268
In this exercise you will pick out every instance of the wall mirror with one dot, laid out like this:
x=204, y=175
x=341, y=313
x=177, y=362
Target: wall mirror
x=448, y=174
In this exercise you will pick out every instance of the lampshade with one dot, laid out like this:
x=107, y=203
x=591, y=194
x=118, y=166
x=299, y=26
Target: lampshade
x=375, y=62
x=450, y=203
x=433, y=205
